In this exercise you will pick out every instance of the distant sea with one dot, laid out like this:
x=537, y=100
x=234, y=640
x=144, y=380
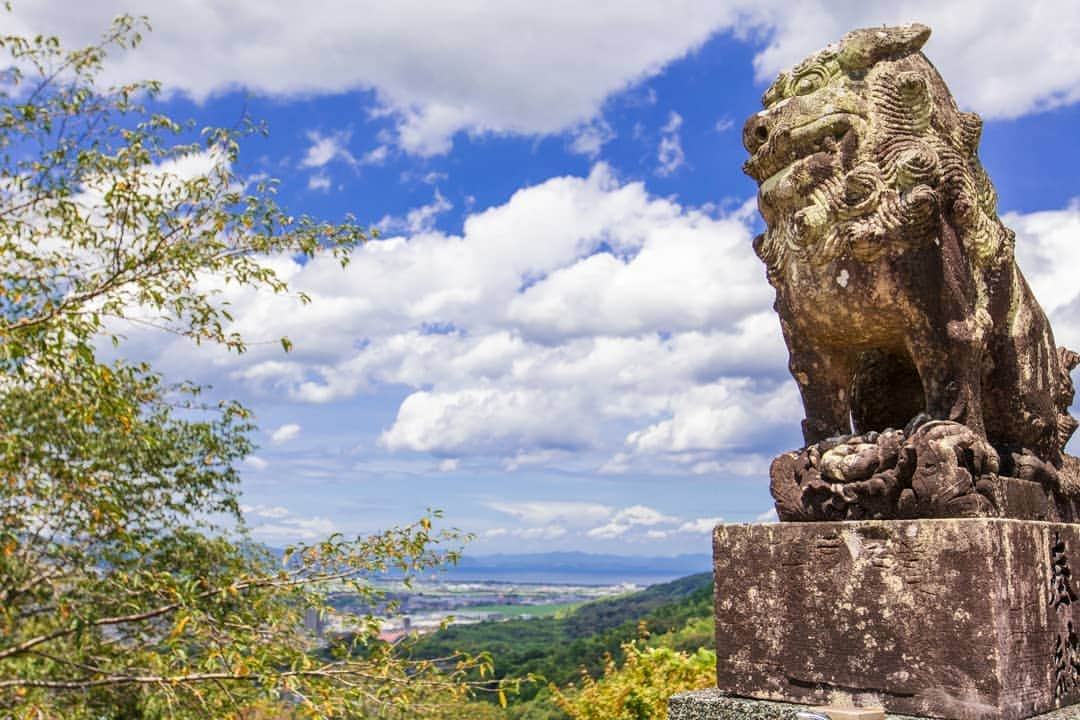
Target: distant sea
x=568, y=568
x=574, y=568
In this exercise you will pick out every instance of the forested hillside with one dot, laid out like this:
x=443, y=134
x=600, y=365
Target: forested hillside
x=677, y=615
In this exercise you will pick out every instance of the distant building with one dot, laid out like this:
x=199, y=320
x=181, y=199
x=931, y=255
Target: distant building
x=392, y=636
x=315, y=622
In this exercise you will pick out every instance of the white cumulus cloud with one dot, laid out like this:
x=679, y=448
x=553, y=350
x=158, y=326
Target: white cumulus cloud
x=1000, y=58
x=285, y=433
x=511, y=66
x=417, y=220
x=717, y=416
x=700, y=526
x=1048, y=254
x=277, y=525
x=324, y=149
x=767, y=516
x=583, y=318
x=627, y=519
x=275, y=512
x=294, y=529
x=437, y=68
x=319, y=182
x=544, y=512
x=547, y=532
x=550, y=532
x=591, y=137
x=256, y=462
x=669, y=154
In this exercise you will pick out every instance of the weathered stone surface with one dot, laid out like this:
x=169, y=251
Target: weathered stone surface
x=896, y=285
x=711, y=704
x=939, y=469
x=957, y=618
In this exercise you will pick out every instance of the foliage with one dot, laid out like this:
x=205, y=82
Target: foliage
x=542, y=706
x=640, y=688
x=698, y=632
x=556, y=648
x=679, y=615
x=610, y=613
x=128, y=588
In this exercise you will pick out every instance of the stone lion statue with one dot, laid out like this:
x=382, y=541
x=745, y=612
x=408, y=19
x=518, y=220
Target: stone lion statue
x=912, y=333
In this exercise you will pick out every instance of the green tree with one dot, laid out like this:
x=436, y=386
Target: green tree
x=128, y=588
x=640, y=688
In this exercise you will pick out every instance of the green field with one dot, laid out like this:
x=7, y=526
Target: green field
x=519, y=610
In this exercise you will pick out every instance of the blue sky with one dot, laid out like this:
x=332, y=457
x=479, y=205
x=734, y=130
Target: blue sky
x=562, y=337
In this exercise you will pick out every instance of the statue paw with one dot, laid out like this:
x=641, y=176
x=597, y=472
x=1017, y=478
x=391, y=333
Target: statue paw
x=915, y=423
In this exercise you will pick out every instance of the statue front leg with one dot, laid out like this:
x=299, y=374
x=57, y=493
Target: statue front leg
x=824, y=380
x=949, y=363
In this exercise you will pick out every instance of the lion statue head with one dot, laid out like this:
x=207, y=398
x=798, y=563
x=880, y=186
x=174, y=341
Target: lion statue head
x=861, y=149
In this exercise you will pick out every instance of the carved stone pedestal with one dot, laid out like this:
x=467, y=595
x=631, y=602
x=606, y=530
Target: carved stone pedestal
x=957, y=618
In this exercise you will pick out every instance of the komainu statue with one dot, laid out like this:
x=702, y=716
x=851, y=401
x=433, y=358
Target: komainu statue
x=929, y=373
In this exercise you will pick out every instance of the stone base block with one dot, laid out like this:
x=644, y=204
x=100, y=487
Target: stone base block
x=712, y=704
x=970, y=619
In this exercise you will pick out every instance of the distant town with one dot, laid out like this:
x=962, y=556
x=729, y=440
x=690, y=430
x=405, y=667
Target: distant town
x=495, y=588
x=428, y=606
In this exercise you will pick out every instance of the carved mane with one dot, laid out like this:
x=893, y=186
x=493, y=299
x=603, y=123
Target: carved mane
x=915, y=163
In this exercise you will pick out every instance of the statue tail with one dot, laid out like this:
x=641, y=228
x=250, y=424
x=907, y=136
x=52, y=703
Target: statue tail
x=1067, y=424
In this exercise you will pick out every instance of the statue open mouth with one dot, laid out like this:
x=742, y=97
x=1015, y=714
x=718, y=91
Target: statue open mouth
x=785, y=149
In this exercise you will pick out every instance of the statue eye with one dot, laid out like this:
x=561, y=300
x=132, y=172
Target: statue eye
x=808, y=84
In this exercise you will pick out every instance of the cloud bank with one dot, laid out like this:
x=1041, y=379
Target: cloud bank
x=583, y=318
x=510, y=66
x=583, y=323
